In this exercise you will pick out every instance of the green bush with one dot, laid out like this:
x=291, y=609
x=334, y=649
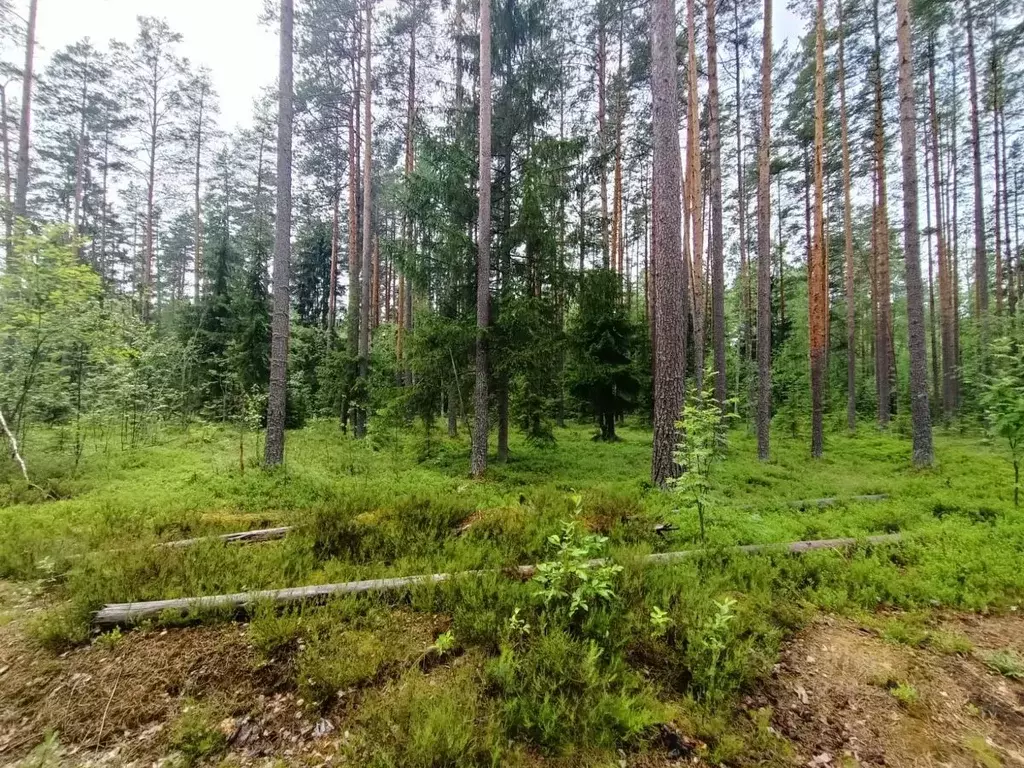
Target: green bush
x=560, y=692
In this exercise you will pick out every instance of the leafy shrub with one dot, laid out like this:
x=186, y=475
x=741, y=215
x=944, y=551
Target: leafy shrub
x=558, y=691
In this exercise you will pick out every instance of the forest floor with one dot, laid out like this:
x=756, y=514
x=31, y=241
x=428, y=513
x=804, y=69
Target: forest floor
x=906, y=655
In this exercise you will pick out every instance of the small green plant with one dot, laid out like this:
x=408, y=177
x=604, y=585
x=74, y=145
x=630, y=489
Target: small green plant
x=444, y=644
x=1007, y=663
x=574, y=579
x=660, y=622
x=1003, y=400
x=905, y=694
x=195, y=735
x=46, y=755
x=110, y=640
x=716, y=637
x=701, y=446
x=516, y=628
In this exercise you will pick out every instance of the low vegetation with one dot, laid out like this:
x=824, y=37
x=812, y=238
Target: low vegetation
x=583, y=658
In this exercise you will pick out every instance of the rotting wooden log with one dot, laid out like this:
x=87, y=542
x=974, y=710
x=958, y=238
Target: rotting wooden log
x=821, y=503
x=122, y=614
x=244, y=537
x=828, y=502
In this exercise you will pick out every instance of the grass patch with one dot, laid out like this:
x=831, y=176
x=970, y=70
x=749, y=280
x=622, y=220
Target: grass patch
x=492, y=670
x=1006, y=662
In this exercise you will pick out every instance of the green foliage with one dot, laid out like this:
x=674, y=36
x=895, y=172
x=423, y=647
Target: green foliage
x=601, y=334
x=905, y=694
x=1003, y=400
x=417, y=723
x=195, y=735
x=559, y=691
x=701, y=445
x=1007, y=663
x=574, y=580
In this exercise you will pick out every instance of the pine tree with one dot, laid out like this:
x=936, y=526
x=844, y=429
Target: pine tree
x=920, y=411
x=669, y=278
x=278, y=392
x=481, y=402
x=764, y=245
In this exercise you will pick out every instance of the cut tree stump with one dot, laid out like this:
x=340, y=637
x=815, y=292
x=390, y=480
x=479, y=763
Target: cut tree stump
x=122, y=614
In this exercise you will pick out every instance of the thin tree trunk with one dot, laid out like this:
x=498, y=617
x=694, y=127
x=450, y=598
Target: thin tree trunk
x=277, y=395
x=5, y=136
x=764, y=246
x=670, y=288
x=693, y=196
x=998, y=185
x=945, y=283
x=884, y=369
x=933, y=330
x=366, y=267
x=1011, y=291
x=717, y=249
x=980, y=258
x=197, y=199
x=602, y=67
x=481, y=400
x=920, y=412
x=332, y=298
x=28, y=75
x=354, y=297
x=741, y=206
x=818, y=274
x=851, y=295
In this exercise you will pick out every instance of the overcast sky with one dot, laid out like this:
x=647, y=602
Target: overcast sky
x=224, y=35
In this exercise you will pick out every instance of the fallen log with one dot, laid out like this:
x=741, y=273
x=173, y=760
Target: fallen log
x=122, y=614
x=828, y=502
x=244, y=537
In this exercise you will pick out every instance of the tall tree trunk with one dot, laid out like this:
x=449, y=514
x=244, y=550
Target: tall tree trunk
x=741, y=207
x=1011, y=291
x=933, y=328
x=198, y=212
x=332, y=295
x=818, y=274
x=693, y=197
x=885, y=373
x=669, y=278
x=946, y=309
x=365, y=267
x=25, y=129
x=617, y=225
x=149, y=251
x=5, y=138
x=851, y=294
x=764, y=247
x=920, y=412
x=404, y=316
x=277, y=394
x=354, y=288
x=980, y=258
x=717, y=249
x=481, y=401
x=998, y=184
x=602, y=127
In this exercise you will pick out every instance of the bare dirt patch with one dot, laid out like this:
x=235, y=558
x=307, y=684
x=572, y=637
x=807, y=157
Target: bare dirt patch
x=845, y=696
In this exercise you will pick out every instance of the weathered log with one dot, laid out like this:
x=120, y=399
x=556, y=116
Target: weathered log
x=121, y=614
x=244, y=537
x=828, y=502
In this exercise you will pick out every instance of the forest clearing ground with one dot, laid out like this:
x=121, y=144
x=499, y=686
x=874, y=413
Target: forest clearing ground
x=675, y=667
x=834, y=694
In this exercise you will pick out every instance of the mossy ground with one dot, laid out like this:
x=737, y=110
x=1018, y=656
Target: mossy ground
x=573, y=689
